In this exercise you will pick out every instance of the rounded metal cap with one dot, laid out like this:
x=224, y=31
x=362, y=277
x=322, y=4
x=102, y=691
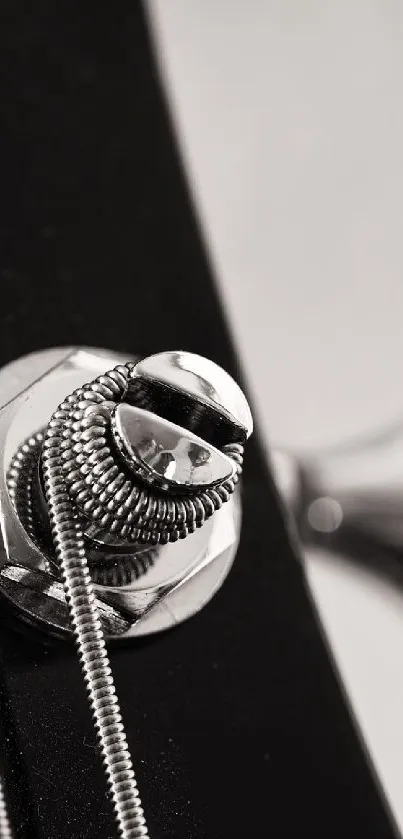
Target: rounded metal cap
x=201, y=381
x=165, y=454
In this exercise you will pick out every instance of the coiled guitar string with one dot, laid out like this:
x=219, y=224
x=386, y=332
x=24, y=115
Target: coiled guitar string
x=81, y=475
x=5, y=826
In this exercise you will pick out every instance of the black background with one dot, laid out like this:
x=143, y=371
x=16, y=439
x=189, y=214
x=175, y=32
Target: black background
x=235, y=720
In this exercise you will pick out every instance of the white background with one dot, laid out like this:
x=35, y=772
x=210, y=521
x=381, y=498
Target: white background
x=290, y=119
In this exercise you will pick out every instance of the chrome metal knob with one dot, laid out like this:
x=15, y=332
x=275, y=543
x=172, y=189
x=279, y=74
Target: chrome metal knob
x=186, y=411
x=194, y=392
x=130, y=460
x=95, y=493
x=167, y=455
x=149, y=453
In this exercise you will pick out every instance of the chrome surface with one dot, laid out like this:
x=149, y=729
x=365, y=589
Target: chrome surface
x=180, y=578
x=69, y=506
x=207, y=384
x=166, y=454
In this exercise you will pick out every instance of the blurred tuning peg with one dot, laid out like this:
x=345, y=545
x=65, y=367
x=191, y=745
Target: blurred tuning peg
x=349, y=499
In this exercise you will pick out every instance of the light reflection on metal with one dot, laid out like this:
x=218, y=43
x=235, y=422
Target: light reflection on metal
x=145, y=588
x=350, y=499
x=165, y=376
x=325, y=514
x=167, y=454
x=166, y=472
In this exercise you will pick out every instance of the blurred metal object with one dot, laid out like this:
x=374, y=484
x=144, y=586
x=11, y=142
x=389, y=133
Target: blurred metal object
x=349, y=499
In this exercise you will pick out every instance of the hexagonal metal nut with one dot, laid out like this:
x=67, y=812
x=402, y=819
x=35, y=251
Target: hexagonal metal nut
x=182, y=580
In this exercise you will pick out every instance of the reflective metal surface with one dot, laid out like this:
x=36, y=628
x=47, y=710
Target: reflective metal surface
x=167, y=454
x=180, y=578
x=207, y=384
x=98, y=498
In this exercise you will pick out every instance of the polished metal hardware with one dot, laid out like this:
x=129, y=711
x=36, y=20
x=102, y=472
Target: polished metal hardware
x=120, y=509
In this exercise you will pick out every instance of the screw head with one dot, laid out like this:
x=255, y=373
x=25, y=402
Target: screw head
x=180, y=412
x=195, y=393
x=165, y=454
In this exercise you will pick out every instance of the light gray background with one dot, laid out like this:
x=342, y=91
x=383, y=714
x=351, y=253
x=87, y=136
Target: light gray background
x=290, y=120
